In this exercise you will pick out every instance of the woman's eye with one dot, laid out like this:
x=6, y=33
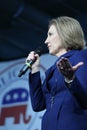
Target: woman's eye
x=50, y=34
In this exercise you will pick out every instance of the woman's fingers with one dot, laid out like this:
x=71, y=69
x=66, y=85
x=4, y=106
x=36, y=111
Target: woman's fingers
x=65, y=67
x=77, y=66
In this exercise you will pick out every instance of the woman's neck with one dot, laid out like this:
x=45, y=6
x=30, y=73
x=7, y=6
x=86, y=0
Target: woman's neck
x=61, y=52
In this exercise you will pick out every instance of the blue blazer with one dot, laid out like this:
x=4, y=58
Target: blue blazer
x=65, y=105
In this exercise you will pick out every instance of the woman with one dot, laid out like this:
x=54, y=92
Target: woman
x=64, y=91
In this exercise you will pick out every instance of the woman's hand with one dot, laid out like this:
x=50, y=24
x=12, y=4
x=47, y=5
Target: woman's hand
x=35, y=66
x=67, y=69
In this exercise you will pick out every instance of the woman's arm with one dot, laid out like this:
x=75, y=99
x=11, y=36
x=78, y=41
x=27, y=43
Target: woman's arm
x=77, y=75
x=36, y=94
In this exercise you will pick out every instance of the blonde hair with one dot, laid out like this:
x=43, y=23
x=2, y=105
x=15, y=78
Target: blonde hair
x=70, y=32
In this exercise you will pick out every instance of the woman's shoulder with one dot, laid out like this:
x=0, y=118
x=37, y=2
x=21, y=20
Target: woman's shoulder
x=80, y=55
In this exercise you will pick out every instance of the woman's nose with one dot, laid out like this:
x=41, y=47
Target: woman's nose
x=46, y=41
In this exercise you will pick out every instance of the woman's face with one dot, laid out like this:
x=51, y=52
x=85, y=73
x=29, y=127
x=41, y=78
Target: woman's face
x=53, y=42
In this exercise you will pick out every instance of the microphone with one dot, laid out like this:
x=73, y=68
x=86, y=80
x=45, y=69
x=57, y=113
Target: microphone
x=29, y=63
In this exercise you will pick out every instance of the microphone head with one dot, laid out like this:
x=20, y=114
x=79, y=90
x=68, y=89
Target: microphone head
x=39, y=51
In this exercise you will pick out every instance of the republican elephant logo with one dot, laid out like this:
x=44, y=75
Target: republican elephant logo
x=14, y=104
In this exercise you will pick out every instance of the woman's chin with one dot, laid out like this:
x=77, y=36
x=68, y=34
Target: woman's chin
x=50, y=52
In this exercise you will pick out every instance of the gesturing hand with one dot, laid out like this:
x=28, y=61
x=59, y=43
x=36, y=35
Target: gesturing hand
x=66, y=68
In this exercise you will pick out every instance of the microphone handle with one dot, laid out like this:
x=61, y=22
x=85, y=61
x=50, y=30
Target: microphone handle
x=27, y=66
